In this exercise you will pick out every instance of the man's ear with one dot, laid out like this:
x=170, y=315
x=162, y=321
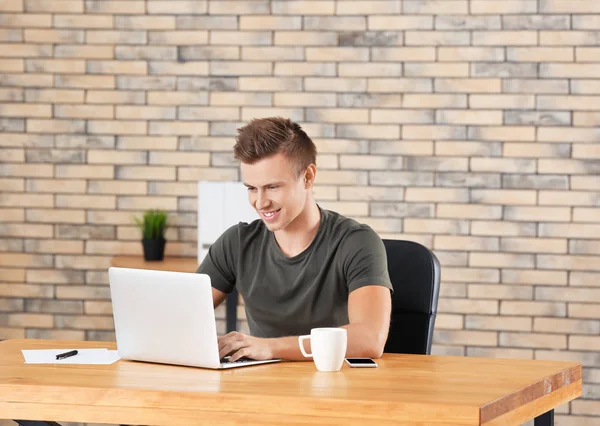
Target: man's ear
x=309, y=176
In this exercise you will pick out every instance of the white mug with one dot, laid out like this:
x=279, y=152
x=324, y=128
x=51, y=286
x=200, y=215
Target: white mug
x=328, y=347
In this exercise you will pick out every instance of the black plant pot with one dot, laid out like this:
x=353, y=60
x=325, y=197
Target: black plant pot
x=154, y=249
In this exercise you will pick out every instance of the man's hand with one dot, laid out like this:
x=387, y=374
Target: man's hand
x=241, y=345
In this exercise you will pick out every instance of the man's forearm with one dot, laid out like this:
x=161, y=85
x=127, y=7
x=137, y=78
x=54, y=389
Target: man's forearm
x=362, y=342
x=287, y=348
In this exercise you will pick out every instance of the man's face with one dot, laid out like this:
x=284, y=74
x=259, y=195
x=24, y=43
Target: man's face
x=275, y=191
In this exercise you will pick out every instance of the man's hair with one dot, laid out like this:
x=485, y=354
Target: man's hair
x=264, y=137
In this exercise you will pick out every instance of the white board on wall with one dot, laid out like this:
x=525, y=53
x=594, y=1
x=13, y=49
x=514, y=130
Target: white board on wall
x=220, y=205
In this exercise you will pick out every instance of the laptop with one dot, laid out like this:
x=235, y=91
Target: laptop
x=167, y=317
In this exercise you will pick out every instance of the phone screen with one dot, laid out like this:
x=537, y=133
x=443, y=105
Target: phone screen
x=361, y=361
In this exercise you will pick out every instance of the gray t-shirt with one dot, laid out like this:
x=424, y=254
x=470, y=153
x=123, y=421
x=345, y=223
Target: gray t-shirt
x=287, y=296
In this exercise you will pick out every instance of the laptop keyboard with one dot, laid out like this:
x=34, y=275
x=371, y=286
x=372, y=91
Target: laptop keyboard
x=242, y=360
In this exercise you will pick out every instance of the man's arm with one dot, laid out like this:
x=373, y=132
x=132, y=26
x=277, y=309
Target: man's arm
x=369, y=310
x=219, y=264
x=218, y=297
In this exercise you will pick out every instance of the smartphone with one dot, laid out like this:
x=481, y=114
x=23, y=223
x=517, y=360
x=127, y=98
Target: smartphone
x=361, y=362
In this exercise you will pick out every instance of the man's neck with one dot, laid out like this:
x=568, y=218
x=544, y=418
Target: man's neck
x=298, y=235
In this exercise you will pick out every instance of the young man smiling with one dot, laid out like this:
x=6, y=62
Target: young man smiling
x=299, y=266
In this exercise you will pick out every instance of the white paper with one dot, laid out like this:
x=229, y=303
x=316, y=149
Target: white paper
x=84, y=356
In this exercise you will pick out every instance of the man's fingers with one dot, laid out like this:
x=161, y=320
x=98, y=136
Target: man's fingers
x=223, y=342
x=229, y=337
x=241, y=353
x=230, y=347
x=235, y=344
x=227, y=350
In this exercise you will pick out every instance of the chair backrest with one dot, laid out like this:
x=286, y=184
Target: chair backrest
x=415, y=274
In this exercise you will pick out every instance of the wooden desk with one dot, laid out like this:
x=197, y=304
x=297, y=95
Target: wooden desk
x=179, y=264
x=404, y=390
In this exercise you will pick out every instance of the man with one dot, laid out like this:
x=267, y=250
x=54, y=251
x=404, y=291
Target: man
x=299, y=266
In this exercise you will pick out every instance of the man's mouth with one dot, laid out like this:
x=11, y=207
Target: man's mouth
x=270, y=214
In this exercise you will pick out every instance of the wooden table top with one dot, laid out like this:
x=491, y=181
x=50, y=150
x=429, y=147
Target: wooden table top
x=405, y=389
x=177, y=264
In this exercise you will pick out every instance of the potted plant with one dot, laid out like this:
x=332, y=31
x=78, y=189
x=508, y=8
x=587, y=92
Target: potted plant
x=153, y=226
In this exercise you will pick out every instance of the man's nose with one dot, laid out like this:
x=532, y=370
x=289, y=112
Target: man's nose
x=262, y=201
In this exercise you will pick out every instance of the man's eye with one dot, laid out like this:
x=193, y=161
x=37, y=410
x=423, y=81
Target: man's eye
x=273, y=187
x=251, y=189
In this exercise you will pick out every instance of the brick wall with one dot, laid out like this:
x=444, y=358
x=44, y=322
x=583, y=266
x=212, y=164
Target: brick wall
x=469, y=126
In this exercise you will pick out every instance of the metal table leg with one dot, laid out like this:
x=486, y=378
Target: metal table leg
x=546, y=419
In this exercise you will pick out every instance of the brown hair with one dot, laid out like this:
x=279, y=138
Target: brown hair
x=264, y=137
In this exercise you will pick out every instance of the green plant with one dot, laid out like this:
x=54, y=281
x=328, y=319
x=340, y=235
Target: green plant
x=153, y=225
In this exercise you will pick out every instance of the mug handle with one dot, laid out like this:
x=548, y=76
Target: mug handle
x=300, y=342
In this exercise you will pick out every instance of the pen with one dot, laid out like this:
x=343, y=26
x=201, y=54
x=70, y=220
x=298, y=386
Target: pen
x=66, y=354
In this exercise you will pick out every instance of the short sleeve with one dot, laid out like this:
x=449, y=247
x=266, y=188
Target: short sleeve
x=364, y=259
x=221, y=260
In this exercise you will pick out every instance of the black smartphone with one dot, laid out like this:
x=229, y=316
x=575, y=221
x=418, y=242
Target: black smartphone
x=361, y=362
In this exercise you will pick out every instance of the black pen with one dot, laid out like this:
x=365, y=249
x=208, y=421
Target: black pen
x=66, y=354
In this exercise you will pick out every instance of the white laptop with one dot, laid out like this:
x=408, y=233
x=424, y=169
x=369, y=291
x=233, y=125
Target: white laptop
x=167, y=317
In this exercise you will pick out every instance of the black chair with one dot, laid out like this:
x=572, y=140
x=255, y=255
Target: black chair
x=415, y=274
